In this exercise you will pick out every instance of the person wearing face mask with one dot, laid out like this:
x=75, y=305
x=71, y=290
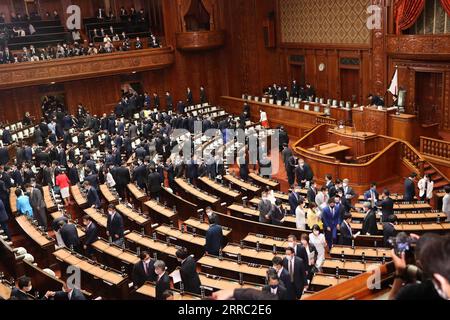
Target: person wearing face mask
x=299, y=250
x=209, y=213
x=274, y=286
x=331, y=222
x=162, y=280
x=311, y=253
x=432, y=255
x=114, y=226
x=318, y=240
x=21, y=291
x=304, y=174
x=144, y=270
x=188, y=272
x=297, y=273
x=283, y=277
x=91, y=235
x=67, y=293
x=372, y=194
x=277, y=214
x=348, y=195
x=369, y=225
x=264, y=207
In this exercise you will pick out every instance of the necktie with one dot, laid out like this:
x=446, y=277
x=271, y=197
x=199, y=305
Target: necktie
x=291, y=270
x=145, y=268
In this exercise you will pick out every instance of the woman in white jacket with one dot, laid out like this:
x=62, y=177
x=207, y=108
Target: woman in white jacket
x=426, y=188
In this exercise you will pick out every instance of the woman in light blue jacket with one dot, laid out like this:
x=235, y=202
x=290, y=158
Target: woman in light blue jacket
x=23, y=204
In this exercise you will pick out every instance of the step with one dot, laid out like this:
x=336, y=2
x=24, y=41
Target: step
x=441, y=184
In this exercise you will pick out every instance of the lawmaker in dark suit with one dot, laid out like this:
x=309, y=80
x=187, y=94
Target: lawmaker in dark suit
x=274, y=286
x=372, y=195
x=114, y=226
x=297, y=273
x=294, y=199
x=162, y=280
x=92, y=196
x=91, y=235
x=4, y=219
x=283, y=276
x=276, y=214
x=66, y=294
x=410, y=188
x=299, y=250
x=346, y=235
x=303, y=173
x=38, y=205
x=386, y=205
x=144, y=270
x=69, y=235
x=389, y=230
x=21, y=292
x=188, y=272
x=214, y=237
x=369, y=225
x=331, y=220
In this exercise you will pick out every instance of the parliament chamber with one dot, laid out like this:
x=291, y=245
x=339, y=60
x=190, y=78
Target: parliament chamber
x=225, y=150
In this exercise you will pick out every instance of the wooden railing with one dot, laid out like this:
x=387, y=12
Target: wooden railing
x=366, y=158
x=412, y=157
x=326, y=120
x=359, y=287
x=435, y=148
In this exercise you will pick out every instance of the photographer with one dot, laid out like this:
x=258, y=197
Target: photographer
x=425, y=275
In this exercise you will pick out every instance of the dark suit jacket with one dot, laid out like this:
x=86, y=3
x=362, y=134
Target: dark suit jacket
x=387, y=208
x=17, y=294
x=91, y=236
x=388, y=232
x=276, y=215
x=293, y=202
x=77, y=295
x=123, y=176
x=311, y=195
x=281, y=292
x=162, y=285
x=154, y=182
x=92, y=198
x=189, y=276
x=69, y=235
x=410, y=190
x=4, y=156
x=300, y=279
x=115, y=226
x=214, y=239
x=302, y=254
x=370, y=224
x=304, y=174
x=139, y=275
x=346, y=236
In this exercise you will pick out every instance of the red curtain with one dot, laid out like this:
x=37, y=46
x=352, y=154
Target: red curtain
x=446, y=5
x=407, y=12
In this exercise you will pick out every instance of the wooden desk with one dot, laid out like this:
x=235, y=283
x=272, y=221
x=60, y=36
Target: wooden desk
x=148, y=290
x=330, y=149
x=80, y=230
x=137, y=193
x=135, y=219
x=246, y=188
x=223, y=192
x=371, y=119
x=405, y=206
x=322, y=281
x=214, y=283
x=441, y=228
x=160, y=213
x=194, y=243
x=226, y=266
x=112, y=250
x=36, y=235
x=198, y=194
x=267, y=242
x=5, y=291
x=78, y=196
x=110, y=277
x=203, y=226
x=249, y=254
x=99, y=217
x=253, y=214
x=110, y=196
x=347, y=267
x=50, y=204
x=264, y=182
x=409, y=217
x=369, y=253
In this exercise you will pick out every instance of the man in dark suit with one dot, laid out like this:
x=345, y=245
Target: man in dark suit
x=389, y=230
x=410, y=188
x=276, y=214
x=169, y=101
x=369, y=225
x=214, y=237
x=346, y=235
x=275, y=287
x=303, y=173
x=386, y=205
x=67, y=293
x=162, y=280
x=312, y=192
x=299, y=249
x=69, y=235
x=154, y=183
x=92, y=196
x=188, y=272
x=294, y=199
x=21, y=291
x=297, y=274
x=139, y=176
x=192, y=170
x=91, y=236
x=38, y=205
x=283, y=276
x=203, y=97
x=144, y=270
x=4, y=156
x=189, y=97
x=122, y=179
x=264, y=208
x=4, y=219
x=372, y=195
x=114, y=226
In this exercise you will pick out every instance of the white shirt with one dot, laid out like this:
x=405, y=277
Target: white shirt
x=263, y=117
x=110, y=180
x=300, y=218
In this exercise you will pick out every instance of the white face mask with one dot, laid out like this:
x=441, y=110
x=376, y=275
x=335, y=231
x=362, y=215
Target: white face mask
x=316, y=232
x=291, y=244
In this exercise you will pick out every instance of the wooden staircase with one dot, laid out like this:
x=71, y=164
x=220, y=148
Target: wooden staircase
x=440, y=182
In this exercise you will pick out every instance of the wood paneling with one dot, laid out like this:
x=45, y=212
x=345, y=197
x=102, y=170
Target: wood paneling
x=15, y=102
x=198, y=41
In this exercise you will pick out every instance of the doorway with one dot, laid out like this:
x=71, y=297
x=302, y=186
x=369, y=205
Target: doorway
x=429, y=97
x=298, y=73
x=350, y=85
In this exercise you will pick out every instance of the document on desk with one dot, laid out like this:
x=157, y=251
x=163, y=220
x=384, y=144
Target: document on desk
x=176, y=276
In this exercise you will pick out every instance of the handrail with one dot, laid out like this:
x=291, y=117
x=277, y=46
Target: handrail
x=439, y=148
x=357, y=287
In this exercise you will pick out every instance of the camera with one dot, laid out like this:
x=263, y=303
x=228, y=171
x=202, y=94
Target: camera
x=402, y=243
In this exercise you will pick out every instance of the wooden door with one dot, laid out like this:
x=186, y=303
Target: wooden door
x=350, y=85
x=429, y=97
